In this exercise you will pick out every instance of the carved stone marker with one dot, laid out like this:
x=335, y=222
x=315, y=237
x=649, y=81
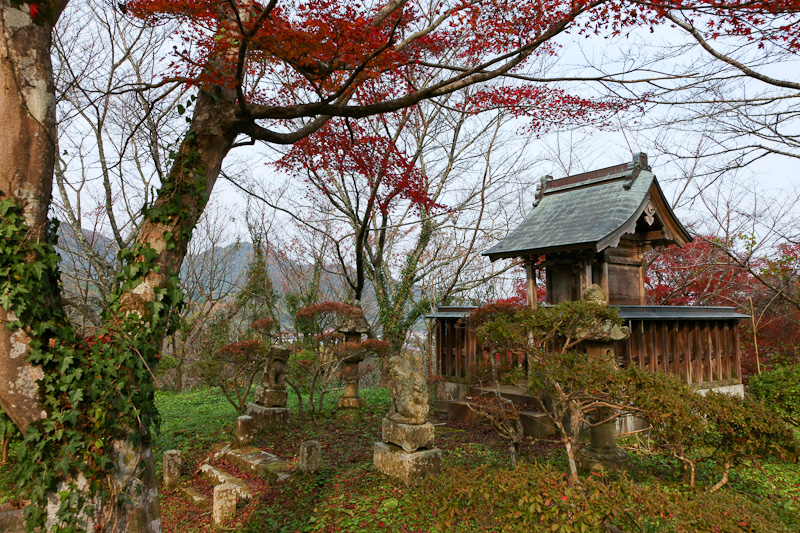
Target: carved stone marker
x=244, y=429
x=225, y=498
x=310, y=456
x=172, y=468
x=269, y=408
x=407, y=451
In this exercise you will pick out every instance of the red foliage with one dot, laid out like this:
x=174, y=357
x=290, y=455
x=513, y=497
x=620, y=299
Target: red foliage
x=263, y=324
x=241, y=349
x=340, y=150
x=700, y=273
x=34, y=10
x=326, y=51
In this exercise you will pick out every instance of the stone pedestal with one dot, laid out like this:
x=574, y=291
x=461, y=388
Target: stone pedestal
x=408, y=437
x=270, y=397
x=310, y=456
x=268, y=417
x=407, y=452
x=410, y=468
x=171, y=468
x=602, y=454
x=225, y=498
x=350, y=398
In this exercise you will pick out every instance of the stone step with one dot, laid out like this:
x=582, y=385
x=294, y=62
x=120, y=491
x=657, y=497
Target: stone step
x=216, y=476
x=250, y=459
x=194, y=496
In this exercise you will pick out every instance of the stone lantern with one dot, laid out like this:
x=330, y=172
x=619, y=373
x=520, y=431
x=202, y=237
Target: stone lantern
x=352, y=328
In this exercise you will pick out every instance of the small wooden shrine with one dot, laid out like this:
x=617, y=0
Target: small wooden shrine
x=594, y=228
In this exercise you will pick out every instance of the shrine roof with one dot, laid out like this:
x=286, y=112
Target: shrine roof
x=591, y=211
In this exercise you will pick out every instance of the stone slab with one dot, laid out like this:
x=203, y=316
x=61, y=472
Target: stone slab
x=536, y=425
x=216, y=476
x=407, y=436
x=268, y=417
x=261, y=463
x=351, y=402
x=194, y=496
x=410, y=468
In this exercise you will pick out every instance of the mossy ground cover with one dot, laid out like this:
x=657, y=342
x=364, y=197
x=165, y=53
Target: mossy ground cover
x=476, y=491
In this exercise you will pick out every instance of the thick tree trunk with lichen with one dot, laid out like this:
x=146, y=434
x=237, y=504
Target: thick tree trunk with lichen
x=27, y=152
x=27, y=155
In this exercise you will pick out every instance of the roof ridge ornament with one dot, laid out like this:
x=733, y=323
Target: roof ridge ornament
x=638, y=164
x=543, y=182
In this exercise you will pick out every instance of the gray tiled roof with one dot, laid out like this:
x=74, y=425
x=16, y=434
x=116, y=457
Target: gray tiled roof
x=633, y=312
x=576, y=216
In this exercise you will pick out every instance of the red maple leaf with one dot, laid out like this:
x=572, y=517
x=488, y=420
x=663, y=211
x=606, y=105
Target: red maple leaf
x=34, y=9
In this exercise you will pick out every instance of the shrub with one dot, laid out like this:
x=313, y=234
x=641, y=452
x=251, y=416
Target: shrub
x=779, y=389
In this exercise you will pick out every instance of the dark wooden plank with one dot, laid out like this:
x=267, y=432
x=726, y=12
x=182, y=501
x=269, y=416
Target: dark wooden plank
x=727, y=350
x=708, y=363
x=737, y=359
x=439, y=353
x=449, y=345
x=683, y=352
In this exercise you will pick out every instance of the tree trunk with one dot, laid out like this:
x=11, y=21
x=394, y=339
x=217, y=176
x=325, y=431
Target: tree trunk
x=27, y=156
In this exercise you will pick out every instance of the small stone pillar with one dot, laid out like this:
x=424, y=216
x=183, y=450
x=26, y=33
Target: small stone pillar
x=269, y=409
x=407, y=451
x=225, y=499
x=171, y=468
x=310, y=456
x=602, y=452
x=244, y=429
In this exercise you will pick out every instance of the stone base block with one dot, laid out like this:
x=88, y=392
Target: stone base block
x=12, y=519
x=409, y=437
x=268, y=417
x=536, y=425
x=410, y=468
x=271, y=398
x=351, y=403
x=590, y=460
x=441, y=405
x=458, y=411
